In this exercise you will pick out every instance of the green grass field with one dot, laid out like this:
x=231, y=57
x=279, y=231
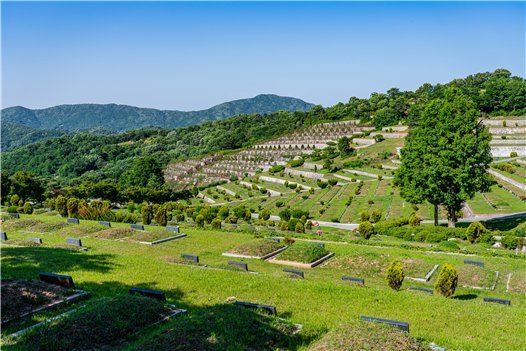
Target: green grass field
x=321, y=302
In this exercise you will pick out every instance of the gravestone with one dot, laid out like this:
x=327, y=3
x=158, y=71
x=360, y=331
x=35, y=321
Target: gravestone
x=172, y=229
x=105, y=223
x=295, y=272
x=239, y=265
x=3, y=236
x=14, y=215
x=137, y=226
x=400, y=325
x=191, y=257
x=475, y=263
x=65, y=281
x=429, y=291
x=74, y=242
x=73, y=221
x=274, y=239
x=155, y=294
x=352, y=279
x=267, y=308
x=35, y=240
x=501, y=301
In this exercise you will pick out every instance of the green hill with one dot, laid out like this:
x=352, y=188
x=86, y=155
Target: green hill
x=118, y=118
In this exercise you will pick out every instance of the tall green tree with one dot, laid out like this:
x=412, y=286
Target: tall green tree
x=5, y=183
x=446, y=156
x=28, y=186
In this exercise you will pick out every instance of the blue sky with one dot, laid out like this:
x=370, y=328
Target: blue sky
x=188, y=56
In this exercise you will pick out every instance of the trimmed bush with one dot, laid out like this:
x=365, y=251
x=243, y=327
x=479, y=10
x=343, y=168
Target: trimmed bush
x=475, y=231
x=200, y=221
x=299, y=228
x=285, y=214
x=366, y=229
x=264, y=214
x=364, y=216
x=216, y=223
x=147, y=214
x=376, y=215
x=447, y=280
x=509, y=241
x=414, y=219
x=394, y=275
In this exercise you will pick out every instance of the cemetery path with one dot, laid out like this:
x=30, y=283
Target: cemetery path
x=485, y=217
x=508, y=159
x=506, y=179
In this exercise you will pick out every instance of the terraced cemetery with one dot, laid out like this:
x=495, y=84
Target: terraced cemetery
x=205, y=271
x=289, y=172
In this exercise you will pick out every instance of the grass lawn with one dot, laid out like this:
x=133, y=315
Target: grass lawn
x=321, y=302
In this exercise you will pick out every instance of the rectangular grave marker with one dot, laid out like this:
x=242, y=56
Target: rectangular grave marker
x=239, y=265
x=191, y=257
x=137, y=226
x=65, y=281
x=73, y=221
x=267, y=308
x=475, y=263
x=14, y=215
x=429, y=291
x=400, y=325
x=35, y=240
x=3, y=236
x=172, y=229
x=501, y=301
x=74, y=242
x=105, y=223
x=155, y=294
x=295, y=272
x=352, y=279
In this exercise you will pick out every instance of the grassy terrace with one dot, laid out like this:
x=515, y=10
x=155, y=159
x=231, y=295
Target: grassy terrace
x=497, y=201
x=110, y=267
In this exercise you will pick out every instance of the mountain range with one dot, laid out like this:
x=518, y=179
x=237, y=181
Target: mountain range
x=21, y=125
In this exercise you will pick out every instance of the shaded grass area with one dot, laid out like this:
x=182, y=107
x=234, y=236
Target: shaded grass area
x=99, y=325
x=303, y=252
x=225, y=327
x=260, y=247
x=367, y=336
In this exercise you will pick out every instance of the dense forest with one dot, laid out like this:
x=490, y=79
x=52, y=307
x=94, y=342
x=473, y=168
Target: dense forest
x=74, y=159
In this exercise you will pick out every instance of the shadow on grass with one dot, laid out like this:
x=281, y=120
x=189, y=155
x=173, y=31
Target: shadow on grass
x=27, y=262
x=504, y=224
x=465, y=297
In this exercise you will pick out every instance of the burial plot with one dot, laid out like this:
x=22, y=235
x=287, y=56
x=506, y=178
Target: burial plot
x=240, y=265
x=429, y=291
x=189, y=257
x=3, y=236
x=65, y=281
x=475, y=263
x=353, y=279
x=294, y=273
x=172, y=229
x=476, y=276
x=137, y=226
x=155, y=294
x=397, y=324
x=105, y=223
x=35, y=240
x=74, y=242
x=73, y=221
x=267, y=308
x=501, y=301
x=258, y=248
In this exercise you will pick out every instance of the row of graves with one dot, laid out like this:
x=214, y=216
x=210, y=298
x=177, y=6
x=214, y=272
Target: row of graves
x=508, y=135
x=22, y=299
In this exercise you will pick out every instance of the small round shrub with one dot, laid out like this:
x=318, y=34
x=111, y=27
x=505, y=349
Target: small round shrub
x=364, y=216
x=394, y=275
x=366, y=229
x=447, y=280
x=308, y=225
x=264, y=214
x=376, y=215
x=509, y=241
x=513, y=154
x=333, y=182
x=299, y=228
x=12, y=209
x=414, y=219
x=200, y=221
x=475, y=231
x=216, y=223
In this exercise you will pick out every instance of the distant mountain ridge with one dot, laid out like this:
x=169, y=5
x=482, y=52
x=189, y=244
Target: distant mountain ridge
x=118, y=118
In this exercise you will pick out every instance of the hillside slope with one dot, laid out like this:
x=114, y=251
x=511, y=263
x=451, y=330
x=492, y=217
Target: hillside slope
x=120, y=118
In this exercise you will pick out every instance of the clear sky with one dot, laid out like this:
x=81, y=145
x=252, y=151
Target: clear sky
x=187, y=56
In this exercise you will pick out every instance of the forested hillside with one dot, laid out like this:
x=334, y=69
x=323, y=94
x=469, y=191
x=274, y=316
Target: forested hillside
x=96, y=158
x=120, y=118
